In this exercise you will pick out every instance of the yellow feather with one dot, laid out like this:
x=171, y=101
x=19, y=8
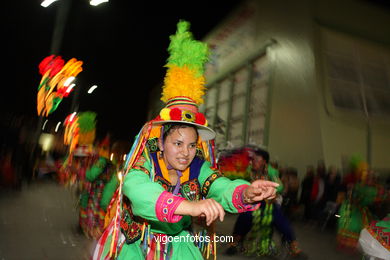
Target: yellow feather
x=181, y=81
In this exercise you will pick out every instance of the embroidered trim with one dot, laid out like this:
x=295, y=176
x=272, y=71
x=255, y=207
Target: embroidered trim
x=238, y=201
x=140, y=162
x=152, y=144
x=207, y=184
x=166, y=205
x=141, y=169
x=131, y=226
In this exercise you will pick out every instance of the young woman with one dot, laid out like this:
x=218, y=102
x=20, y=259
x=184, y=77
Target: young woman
x=184, y=186
x=171, y=175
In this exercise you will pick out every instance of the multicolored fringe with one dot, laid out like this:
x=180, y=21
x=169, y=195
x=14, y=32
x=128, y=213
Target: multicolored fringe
x=207, y=248
x=259, y=241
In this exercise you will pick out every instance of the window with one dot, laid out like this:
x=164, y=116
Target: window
x=227, y=102
x=357, y=73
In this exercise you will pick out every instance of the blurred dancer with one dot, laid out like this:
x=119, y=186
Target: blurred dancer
x=253, y=231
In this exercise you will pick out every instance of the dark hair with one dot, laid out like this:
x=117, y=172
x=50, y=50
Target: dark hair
x=170, y=127
x=262, y=153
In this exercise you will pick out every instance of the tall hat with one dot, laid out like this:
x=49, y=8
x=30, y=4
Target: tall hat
x=184, y=88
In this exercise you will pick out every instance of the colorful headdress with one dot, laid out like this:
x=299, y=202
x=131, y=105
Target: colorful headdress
x=184, y=82
x=235, y=163
x=54, y=86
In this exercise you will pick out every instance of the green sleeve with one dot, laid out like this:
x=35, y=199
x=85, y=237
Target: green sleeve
x=96, y=169
x=142, y=192
x=221, y=188
x=108, y=191
x=274, y=176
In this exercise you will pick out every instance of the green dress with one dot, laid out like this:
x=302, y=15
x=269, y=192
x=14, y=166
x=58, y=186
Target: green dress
x=144, y=192
x=355, y=215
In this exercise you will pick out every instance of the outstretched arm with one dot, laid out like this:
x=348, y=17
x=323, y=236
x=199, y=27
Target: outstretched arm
x=259, y=190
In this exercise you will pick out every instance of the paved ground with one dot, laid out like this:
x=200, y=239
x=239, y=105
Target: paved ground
x=316, y=244
x=40, y=222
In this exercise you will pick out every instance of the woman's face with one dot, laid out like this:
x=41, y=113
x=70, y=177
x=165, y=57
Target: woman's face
x=180, y=148
x=258, y=163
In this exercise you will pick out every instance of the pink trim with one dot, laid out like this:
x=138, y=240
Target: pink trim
x=166, y=205
x=238, y=202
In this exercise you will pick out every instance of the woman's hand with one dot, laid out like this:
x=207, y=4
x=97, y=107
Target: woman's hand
x=260, y=190
x=208, y=208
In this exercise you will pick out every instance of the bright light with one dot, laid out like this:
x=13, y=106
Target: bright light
x=44, y=124
x=46, y=3
x=120, y=176
x=97, y=2
x=337, y=216
x=57, y=126
x=124, y=157
x=112, y=156
x=46, y=141
x=72, y=116
x=91, y=89
x=68, y=81
x=69, y=89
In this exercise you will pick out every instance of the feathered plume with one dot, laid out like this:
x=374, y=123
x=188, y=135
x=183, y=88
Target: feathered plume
x=185, y=66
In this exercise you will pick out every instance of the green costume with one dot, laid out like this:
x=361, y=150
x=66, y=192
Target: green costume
x=137, y=184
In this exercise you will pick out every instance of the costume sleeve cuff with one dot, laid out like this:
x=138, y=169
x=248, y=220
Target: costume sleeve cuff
x=238, y=201
x=166, y=206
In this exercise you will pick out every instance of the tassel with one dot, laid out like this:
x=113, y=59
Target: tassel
x=143, y=231
x=215, y=247
x=208, y=251
x=117, y=217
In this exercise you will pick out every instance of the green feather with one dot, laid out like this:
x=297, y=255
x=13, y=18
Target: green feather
x=87, y=121
x=184, y=50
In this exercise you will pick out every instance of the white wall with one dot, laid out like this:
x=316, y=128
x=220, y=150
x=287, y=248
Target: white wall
x=301, y=130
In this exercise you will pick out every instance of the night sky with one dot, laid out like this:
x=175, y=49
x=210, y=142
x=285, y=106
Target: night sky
x=123, y=45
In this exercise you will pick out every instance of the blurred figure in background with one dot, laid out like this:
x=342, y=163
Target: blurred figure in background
x=307, y=184
x=101, y=183
x=316, y=194
x=45, y=167
x=361, y=192
x=290, y=194
x=8, y=177
x=331, y=193
x=253, y=231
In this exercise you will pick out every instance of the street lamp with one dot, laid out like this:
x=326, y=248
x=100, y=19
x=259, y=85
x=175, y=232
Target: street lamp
x=46, y=3
x=91, y=89
x=97, y=2
x=57, y=126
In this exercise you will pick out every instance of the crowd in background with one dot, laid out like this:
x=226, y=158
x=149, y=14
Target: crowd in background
x=316, y=198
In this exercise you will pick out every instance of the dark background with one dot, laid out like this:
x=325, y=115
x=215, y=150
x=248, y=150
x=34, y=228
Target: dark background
x=123, y=46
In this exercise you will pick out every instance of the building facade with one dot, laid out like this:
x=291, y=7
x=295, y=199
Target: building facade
x=309, y=80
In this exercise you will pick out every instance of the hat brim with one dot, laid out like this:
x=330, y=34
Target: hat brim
x=206, y=133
